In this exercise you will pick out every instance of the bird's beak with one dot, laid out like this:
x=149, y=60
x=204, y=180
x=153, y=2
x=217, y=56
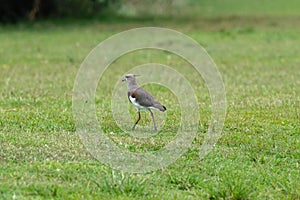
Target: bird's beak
x=124, y=79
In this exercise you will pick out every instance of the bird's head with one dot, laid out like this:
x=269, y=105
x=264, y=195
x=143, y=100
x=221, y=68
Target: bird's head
x=129, y=77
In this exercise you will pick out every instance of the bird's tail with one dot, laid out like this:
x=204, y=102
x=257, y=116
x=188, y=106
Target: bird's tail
x=160, y=107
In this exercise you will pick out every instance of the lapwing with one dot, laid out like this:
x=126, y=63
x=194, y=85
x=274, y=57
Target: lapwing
x=141, y=99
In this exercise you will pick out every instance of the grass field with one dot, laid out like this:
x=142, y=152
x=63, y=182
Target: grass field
x=257, y=156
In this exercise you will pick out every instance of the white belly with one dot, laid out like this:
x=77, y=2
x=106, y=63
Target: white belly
x=136, y=104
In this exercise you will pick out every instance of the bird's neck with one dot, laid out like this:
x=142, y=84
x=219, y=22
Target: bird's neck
x=132, y=85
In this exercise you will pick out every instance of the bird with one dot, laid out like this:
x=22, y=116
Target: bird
x=141, y=99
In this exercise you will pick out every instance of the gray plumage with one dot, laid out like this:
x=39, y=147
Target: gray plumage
x=141, y=99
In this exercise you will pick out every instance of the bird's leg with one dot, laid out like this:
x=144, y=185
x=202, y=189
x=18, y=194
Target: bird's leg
x=152, y=115
x=137, y=121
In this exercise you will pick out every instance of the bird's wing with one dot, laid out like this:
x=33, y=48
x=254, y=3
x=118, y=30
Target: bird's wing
x=143, y=97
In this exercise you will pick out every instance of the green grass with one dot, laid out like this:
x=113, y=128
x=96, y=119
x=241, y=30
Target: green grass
x=257, y=156
x=234, y=7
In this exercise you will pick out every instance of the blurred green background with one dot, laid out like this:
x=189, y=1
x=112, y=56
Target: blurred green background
x=14, y=11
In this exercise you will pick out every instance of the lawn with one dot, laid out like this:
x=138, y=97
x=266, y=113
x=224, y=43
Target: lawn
x=256, y=157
